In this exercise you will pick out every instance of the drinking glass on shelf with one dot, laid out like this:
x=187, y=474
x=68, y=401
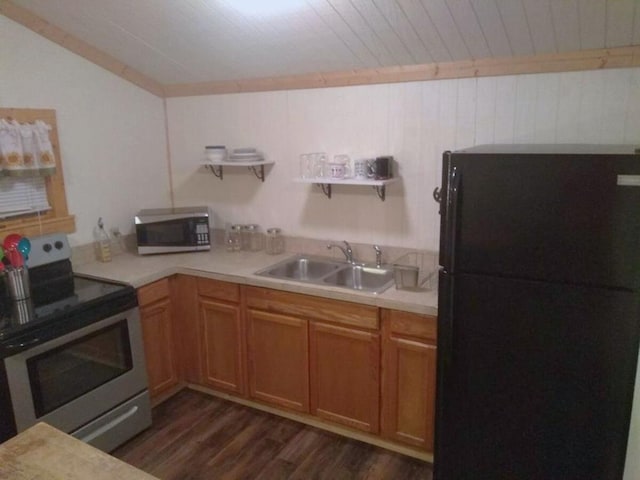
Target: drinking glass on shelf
x=319, y=164
x=360, y=168
x=306, y=165
x=312, y=165
x=342, y=159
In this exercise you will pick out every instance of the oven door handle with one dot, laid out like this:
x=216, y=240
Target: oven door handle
x=15, y=346
x=112, y=424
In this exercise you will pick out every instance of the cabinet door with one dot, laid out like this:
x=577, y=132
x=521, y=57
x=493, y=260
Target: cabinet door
x=408, y=392
x=345, y=375
x=278, y=359
x=155, y=319
x=186, y=328
x=221, y=336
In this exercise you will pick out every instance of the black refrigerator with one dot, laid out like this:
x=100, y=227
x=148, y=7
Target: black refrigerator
x=538, y=311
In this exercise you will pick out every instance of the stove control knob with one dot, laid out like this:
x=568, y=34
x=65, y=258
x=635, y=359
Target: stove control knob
x=58, y=245
x=47, y=247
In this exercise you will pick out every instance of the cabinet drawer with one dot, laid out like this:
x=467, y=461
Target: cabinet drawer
x=218, y=289
x=153, y=292
x=313, y=308
x=412, y=324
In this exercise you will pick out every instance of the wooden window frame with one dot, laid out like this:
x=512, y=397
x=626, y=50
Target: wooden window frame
x=57, y=219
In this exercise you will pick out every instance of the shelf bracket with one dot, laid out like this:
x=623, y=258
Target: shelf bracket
x=326, y=188
x=260, y=173
x=381, y=191
x=216, y=170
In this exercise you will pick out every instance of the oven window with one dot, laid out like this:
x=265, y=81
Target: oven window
x=71, y=370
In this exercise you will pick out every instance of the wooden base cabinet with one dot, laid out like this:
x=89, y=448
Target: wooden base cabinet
x=278, y=359
x=157, y=331
x=357, y=365
x=343, y=348
x=184, y=305
x=345, y=375
x=409, y=378
x=221, y=336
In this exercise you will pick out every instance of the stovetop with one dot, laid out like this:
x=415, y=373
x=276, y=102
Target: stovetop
x=18, y=316
x=87, y=301
x=59, y=302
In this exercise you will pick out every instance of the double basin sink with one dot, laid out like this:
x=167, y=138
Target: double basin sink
x=332, y=273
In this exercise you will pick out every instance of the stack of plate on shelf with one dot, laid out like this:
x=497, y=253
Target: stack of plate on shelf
x=245, y=155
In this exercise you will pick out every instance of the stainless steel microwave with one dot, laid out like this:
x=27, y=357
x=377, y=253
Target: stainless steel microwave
x=169, y=230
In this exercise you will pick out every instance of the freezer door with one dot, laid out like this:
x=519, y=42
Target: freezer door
x=535, y=380
x=567, y=218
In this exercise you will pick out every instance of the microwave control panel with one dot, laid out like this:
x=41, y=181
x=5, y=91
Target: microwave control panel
x=202, y=232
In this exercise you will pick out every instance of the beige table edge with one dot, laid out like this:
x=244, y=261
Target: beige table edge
x=43, y=452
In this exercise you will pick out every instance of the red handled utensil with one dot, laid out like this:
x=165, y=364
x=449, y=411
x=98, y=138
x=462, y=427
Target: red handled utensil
x=15, y=258
x=11, y=241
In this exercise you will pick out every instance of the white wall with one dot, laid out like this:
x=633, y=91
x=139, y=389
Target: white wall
x=113, y=146
x=111, y=132
x=415, y=122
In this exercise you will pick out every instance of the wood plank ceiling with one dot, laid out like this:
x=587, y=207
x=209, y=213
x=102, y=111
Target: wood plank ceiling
x=194, y=41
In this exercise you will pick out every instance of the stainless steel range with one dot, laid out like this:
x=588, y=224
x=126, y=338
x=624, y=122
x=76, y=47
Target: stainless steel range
x=72, y=354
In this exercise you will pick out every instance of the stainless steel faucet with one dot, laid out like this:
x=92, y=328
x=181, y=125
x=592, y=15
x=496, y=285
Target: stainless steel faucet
x=378, y=256
x=348, y=252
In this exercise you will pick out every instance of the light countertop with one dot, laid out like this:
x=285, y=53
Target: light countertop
x=43, y=453
x=240, y=267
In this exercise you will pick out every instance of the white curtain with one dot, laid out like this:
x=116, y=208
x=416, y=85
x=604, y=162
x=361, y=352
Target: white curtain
x=26, y=157
x=25, y=149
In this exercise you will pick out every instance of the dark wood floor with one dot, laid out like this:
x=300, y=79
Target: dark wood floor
x=196, y=436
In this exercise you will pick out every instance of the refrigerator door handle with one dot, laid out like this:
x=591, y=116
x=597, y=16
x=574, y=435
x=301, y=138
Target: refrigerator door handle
x=445, y=319
x=453, y=186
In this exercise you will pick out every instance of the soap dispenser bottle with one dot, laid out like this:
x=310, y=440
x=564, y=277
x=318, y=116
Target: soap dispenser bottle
x=102, y=243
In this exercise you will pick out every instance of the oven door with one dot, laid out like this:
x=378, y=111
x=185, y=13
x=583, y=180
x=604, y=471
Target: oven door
x=73, y=379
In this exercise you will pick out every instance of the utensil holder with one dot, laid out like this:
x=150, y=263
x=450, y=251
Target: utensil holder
x=22, y=311
x=17, y=279
x=412, y=271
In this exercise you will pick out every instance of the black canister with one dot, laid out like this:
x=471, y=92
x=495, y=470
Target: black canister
x=381, y=168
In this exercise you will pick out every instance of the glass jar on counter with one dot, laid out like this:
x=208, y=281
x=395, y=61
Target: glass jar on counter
x=256, y=238
x=234, y=241
x=274, y=241
x=245, y=238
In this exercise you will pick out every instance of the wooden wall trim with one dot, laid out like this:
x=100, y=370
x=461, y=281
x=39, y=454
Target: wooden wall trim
x=167, y=141
x=621, y=57
x=79, y=47
x=57, y=219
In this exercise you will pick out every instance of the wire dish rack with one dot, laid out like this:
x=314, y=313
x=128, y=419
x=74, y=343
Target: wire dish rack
x=416, y=271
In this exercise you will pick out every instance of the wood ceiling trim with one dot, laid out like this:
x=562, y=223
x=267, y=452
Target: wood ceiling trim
x=79, y=47
x=621, y=57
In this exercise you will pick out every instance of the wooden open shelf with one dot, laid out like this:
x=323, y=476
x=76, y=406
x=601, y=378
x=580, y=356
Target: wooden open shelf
x=326, y=183
x=257, y=167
